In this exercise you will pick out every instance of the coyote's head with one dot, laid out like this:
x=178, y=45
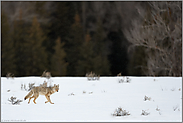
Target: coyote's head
x=56, y=87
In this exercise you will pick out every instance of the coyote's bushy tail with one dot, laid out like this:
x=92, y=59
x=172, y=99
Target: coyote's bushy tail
x=28, y=95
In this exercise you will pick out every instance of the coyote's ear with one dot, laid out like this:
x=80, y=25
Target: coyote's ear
x=54, y=85
x=58, y=85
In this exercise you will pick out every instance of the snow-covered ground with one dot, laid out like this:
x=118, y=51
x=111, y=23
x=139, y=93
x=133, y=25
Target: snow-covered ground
x=99, y=102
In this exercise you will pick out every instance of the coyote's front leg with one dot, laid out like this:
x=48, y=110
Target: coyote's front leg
x=48, y=98
x=30, y=99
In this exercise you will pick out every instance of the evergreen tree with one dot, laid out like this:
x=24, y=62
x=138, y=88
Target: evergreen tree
x=19, y=39
x=37, y=56
x=101, y=65
x=99, y=38
x=44, y=16
x=74, y=43
x=101, y=62
x=85, y=63
x=7, y=51
x=62, y=18
x=58, y=63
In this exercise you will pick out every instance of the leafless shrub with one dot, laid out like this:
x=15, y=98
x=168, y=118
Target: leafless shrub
x=120, y=80
x=176, y=108
x=128, y=79
x=46, y=74
x=23, y=87
x=173, y=89
x=14, y=101
x=147, y=98
x=157, y=109
x=44, y=84
x=120, y=112
x=119, y=74
x=71, y=94
x=161, y=88
x=145, y=113
x=124, y=79
x=10, y=75
x=92, y=76
x=30, y=86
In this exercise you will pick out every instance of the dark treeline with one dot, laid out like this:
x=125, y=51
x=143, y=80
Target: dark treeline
x=69, y=38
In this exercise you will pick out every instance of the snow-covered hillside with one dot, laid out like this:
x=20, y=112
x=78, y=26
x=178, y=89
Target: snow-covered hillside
x=81, y=100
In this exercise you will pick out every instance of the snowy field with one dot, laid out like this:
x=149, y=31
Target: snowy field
x=81, y=100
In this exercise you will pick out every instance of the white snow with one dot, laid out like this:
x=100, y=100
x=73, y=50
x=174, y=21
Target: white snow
x=100, y=101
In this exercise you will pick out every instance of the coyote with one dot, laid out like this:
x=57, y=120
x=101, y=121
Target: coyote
x=47, y=91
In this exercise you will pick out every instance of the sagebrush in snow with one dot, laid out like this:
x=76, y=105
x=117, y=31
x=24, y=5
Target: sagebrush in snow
x=145, y=113
x=128, y=79
x=120, y=112
x=30, y=87
x=14, y=101
x=175, y=108
x=147, y=98
x=10, y=75
x=119, y=74
x=157, y=109
x=44, y=84
x=92, y=76
x=173, y=89
x=124, y=79
x=46, y=74
x=23, y=87
x=71, y=94
x=120, y=80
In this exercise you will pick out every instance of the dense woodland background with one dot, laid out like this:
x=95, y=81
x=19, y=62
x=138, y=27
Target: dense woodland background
x=73, y=38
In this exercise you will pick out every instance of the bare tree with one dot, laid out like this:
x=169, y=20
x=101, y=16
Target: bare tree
x=25, y=10
x=159, y=30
